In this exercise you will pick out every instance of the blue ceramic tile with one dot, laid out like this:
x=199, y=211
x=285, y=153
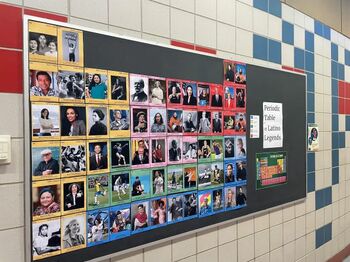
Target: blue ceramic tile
x=334, y=87
x=299, y=58
x=334, y=70
x=275, y=51
x=310, y=102
x=335, y=122
x=287, y=33
x=347, y=123
x=261, y=4
x=335, y=175
x=347, y=57
x=319, y=199
x=335, y=140
x=310, y=182
x=311, y=118
x=328, y=232
x=318, y=28
x=341, y=139
x=310, y=162
x=260, y=47
x=334, y=52
x=310, y=81
x=275, y=7
x=327, y=196
x=320, y=237
x=309, y=41
x=341, y=73
x=326, y=32
x=309, y=61
x=335, y=158
x=335, y=104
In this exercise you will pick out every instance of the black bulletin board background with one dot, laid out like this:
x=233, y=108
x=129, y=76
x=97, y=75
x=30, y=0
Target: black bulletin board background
x=107, y=52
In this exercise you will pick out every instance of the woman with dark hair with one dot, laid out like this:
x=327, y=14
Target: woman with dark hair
x=97, y=89
x=189, y=98
x=157, y=155
x=72, y=125
x=72, y=236
x=98, y=128
x=45, y=123
x=158, y=125
x=75, y=198
x=97, y=230
x=47, y=203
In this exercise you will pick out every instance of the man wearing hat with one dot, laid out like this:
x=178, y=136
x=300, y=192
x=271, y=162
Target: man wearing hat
x=141, y=121
x=139, y=95
x=48, y=165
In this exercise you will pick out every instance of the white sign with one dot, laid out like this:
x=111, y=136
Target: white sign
x=273, y=125
x=254, y=126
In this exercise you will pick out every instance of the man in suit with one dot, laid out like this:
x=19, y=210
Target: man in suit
x=217, y=125
x=141, y=155
x=97, y=159
x=216, y=99
x=139, y=95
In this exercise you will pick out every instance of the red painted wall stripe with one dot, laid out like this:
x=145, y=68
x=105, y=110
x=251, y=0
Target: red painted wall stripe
x=10, y=27
x=182, y=44
x=60, y=18
x=11, y=71
x=205, y=49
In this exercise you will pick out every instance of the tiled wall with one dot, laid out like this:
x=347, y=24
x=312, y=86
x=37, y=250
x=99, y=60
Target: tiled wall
x=263, y=32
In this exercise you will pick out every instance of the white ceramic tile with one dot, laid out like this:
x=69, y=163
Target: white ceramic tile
x=318, y=64
x=226, y=11
x=327, y=99
x=328, y=214
x=88, y=23
x=205, y=32
x=327, y=85
x=227, y=233
x=49, y=5
x=276, y=255
x=261, y=222
x=206, y=8
x=309, y=24
x=159, y=26
x=207, y=240
x=226, y=37
x=289, y=252
x=319, y=85
x=228, y=252
x=310, y=222
x=341, y=122
x=244, y=16
x=275, y=27
x=14, y=172
x=124, y=32
x=327, y=140
x=14, y=125
x=327, y=125
x=276, y=217
x=11, y=247
x=209, y=255
x=263, y=258
x=287, y=13
x=164, y=2
x=244, y=42
x=245, y=227
x=310, y=242
x=247, y=2
x=260, y=22
x=156, y=39
x=319, y=102
x=347, y=73
x=125, y=14
x=299, y=18
x=276, y=236
x=187, y=5
x=288, y=231
x=136, y=256
x=334, y=36
x=262, y=242
x=160, y=252
x=182, y=25
x=86, y=9
x=318, y=44
x=11, y=205
x=300, y=209
x=299, y=37
x=300, y=247
x=319, y=161
x=319, y=218
x=341, y=54
x=287, y=55
x=288, y=213
x=300, y=226
x=189, y=259
x=15, y=2
x=246, y=248
x=326, y=48
x=184, y=247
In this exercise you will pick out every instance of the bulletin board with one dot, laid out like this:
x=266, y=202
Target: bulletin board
x=131, y=142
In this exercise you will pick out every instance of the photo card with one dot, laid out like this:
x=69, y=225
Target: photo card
x=174, y=92
x=73, y=158
x=175, y=208
x=71, y=47
x=229, y=95
x=120, y=153
x=46, y=237
x=141, y=184
x=241, y=196
x=240, y=123
x=240, y=73
x=96, y=82
x=157, y=91
x=139, y=121
x=74, y=195
x=229, y=144
x=43, y=82
x=118, y=86
x=205, y=203
x=190, y=176
x=217, y=122
x=241, y=98
x=217, y=148
x=189, y=94
x=159, y=151
x=97, y=191
x=97, y=226
x=204, y=175
x=204, y=149
x=119, y=221
x=217, y=177
x=190, y=205
x=240, y=147
x=158, y=212
x=158, y=121
x=73, y=232
x=73, y=122
x=241, y=171
x=119, y=121
x=230, y=197
x=189, y=149
x=159, y=181
x=71, y=84
x=140, y=149
x=120, y=187
x=97, y=121
x=174, y=120
x=140, y=216
x=218, y=200
x=229, y=71
x=230, y=172
x=174, y=149
x=42, y=42
x=175, y=179
x=45, y=160
x=190, y=122
x=216, y=97
x=45, y=121
x=204, y=123
x=98, y=156
x=46, y=199
x=203, y=95
x=139, y=90
x=229, y=123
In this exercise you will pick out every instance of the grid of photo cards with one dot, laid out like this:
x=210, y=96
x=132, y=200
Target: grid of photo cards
x=118, y=153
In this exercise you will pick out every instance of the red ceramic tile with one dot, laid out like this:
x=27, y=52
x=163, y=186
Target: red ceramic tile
x=341, y=89
x=288, y=68
x=341, y=105
x=347, y=107
x=10, y=26
x=299, y=70
x=182, y=44
x=11, y=71
x=205, y=49
x=60, y=18
x=347, y=90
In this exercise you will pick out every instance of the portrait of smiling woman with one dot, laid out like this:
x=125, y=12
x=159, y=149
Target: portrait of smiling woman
x=48, y=203
x=73, y=121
